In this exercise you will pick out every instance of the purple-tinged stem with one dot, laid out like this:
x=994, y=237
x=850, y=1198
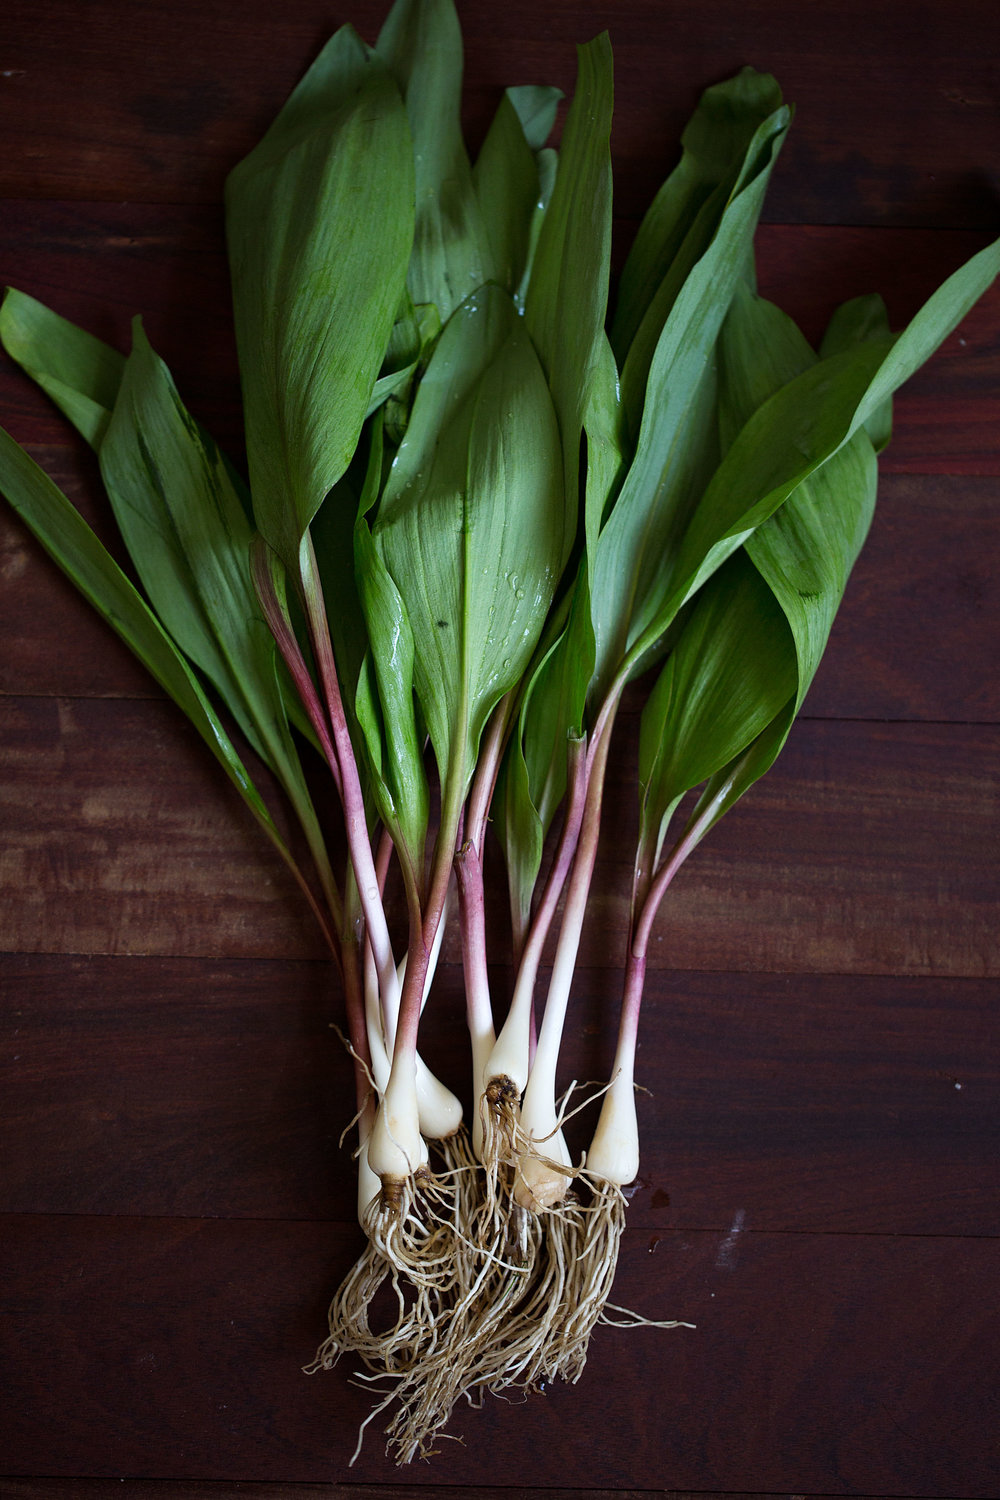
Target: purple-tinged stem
x=352, y=800
x=280, y=627
x=478, y=1007
x=515, y=1048
x=485, y=777
x=649, y=890
x=472, y=904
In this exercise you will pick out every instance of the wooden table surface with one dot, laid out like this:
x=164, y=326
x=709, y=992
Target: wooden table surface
x=819, y=1181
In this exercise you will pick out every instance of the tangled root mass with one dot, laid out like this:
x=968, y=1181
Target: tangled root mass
x=460, y=1291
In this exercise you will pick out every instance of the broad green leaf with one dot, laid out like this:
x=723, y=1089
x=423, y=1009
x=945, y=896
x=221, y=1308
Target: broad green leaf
x=533, y=780
x=729, y=141
x=799, y=428
x=760, y=349
x=536, y=105
x=320, y=226
x=332, y=535
x=472, y=524
x=77, y=371
x=80, y=373
x=514, y=177
x=71, y=543
x=507, y=187
x=806, y=550
x=385, y=707
x=729, y=674
x=565, y=307
x=532, y=783
x=681, y=219
x=802, y=556
x=519, y=828
x=384, y=702
x=863, y=318
x=421, y=45
x=189, y=538
x=86, y=390
x=636, y=552
x=567, y=293
x=413, y=335
x=548, y=168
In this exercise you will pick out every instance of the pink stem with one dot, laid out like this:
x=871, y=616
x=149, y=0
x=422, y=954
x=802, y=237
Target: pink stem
x=291, y=652
x=469, y=872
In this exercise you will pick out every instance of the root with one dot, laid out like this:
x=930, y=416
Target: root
x=410, y=1252
x=499, y=1108
x=410, y=1225
x=486, y=1296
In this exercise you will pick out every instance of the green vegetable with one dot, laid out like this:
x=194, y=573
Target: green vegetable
x=477, y=510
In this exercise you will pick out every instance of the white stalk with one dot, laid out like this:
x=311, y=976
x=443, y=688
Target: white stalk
x=482, y=1038
x=369, y=1185
x=538, y=1111
x=614, y=1150
x=539, y=1185
x=439, y=1109
x=478, y=1006
x=396, y=1148
x=508, y=1057
x=373, y=1024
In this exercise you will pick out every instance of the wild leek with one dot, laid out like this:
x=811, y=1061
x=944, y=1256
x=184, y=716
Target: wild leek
x=478, y=509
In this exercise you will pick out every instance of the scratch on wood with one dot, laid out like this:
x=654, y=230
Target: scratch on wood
x=725, y=1260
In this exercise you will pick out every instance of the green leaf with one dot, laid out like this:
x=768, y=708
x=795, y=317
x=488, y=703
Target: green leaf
x=799, y=428
x=507, y=187
x=860, y=320
x=760, y=349
x=567, y=293
x=320, y=226
x=73, y=545
x=77, y=371
x=536, y=105
x=188, y=535
x=421, y=45
x=806, y=550
x=728, y=141
x=802, y=555
x=533, y=781
x=636, y=554
x=468, y=526
x=384, y=702
x=730, y=673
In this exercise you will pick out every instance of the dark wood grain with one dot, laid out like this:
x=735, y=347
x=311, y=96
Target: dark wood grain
x=935, y=539
x=159, y=1489
x=817, y=1188
x=198, y=1371
x=896, y=121
x=102, y=264
x=868, y=849
x=167, y=1086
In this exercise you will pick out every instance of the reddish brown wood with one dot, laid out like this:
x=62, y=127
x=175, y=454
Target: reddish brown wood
x=163, y=1346
x=173, y=1087
x=159, y=1489
x=817, y=1187
x=896, y=109
x=916, y=637
x=101, y=264
x=868, y=849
